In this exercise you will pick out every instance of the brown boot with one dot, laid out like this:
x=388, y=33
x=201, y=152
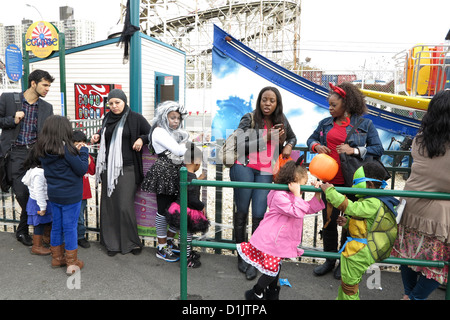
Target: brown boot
x=37, y=247
x=73, y=264
x=58, y=259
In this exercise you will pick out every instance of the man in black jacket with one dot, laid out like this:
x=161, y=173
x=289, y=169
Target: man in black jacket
x=21, y=119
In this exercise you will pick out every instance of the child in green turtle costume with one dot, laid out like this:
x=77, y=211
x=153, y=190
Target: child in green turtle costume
x=371, y=225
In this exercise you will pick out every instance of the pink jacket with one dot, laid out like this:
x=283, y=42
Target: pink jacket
x=280, y=232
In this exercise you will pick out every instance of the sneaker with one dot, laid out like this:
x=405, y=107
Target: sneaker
x=171, y=244
x=166, y=254
x=83, y=243
x=251, y=295
x=195, y=254
x=193, y=260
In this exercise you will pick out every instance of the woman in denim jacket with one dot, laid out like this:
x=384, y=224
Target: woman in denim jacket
x=347, y=106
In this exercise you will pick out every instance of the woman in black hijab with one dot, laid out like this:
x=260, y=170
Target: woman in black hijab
x=119, y=169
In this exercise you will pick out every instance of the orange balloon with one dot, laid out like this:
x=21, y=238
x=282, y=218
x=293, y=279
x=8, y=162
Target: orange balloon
x=323, y=167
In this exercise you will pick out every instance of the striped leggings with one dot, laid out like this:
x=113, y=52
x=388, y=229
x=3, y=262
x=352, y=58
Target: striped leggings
x=161, y=230
x=163, y=201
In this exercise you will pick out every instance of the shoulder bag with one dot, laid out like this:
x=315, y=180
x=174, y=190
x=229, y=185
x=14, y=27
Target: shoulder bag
x=228, y=152
x=5, y=177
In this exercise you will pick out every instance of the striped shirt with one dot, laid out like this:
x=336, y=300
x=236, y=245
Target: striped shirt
x=28, y=128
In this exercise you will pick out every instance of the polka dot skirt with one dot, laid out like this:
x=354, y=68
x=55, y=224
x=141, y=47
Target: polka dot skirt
x=265, y=263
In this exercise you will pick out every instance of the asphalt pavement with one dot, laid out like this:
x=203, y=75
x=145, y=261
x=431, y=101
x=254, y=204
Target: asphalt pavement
x=24, y=276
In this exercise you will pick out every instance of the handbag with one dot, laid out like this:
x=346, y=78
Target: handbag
x=5, y=176
x=5, y=183
x=350, y=163
x=228, y=152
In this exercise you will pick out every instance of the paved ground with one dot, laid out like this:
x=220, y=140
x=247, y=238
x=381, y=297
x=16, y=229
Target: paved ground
x=144, y=277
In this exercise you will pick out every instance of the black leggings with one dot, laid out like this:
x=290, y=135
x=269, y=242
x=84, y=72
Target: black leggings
x=267, y=281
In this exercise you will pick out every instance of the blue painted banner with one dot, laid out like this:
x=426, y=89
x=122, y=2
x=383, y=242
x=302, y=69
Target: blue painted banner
x=13, y=62
x=226, y=46
x=239, y=74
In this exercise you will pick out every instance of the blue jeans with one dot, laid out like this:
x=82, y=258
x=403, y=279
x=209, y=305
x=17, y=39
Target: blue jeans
x=416, y=285
x=242, y=197
x=64, y=226
x=81, y=228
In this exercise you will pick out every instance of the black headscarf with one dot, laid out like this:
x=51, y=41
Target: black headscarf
x=112, y=119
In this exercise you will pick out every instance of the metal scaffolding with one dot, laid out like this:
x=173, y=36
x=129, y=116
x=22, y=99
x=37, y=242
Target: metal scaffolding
x=271, y=28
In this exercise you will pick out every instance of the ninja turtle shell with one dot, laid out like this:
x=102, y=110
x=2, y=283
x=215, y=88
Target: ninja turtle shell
x=382, y=234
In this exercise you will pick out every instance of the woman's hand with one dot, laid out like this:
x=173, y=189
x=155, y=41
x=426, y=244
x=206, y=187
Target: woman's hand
x=345, y=148
x=282, y=136
x=95, y=138
x=281, y=132
x=137, y=146
x=287, y=150
x=322, y=149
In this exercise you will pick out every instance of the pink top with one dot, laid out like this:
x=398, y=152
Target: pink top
x=280, y=232
x=262, y=160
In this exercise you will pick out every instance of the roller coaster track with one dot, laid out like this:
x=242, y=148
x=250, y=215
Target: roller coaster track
x=269, y=7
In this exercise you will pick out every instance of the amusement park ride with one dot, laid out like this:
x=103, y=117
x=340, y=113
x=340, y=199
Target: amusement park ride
x=423, y=70
x=271, y=29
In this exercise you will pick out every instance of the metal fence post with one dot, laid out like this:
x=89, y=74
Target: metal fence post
x=183, y=233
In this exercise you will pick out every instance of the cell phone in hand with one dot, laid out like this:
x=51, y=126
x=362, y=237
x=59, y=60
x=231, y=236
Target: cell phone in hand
x=279, y=126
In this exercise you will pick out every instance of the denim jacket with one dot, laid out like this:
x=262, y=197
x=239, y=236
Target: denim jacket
x=365, y=137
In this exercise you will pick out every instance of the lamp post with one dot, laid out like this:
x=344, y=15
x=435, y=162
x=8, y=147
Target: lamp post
x=31, y=6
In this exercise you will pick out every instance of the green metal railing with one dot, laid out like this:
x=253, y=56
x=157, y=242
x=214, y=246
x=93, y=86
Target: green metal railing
x=394, y=160
x=308, y=253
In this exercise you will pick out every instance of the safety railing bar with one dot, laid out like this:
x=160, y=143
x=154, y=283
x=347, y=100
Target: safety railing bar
x=328, y=255
x=308, y=253
x=346, y=190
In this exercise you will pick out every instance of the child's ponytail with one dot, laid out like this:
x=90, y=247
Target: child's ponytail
x=289, y=171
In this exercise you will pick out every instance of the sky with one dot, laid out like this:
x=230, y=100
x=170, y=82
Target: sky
x=344, y=34
x=347, y=33
x=105, y=12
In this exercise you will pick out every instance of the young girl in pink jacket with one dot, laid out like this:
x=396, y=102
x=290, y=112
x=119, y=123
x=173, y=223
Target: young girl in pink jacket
x=280, y=232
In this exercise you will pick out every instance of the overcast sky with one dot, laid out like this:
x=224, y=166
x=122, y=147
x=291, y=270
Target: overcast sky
x=105, y=12
x=344, y=33
x=335, y=34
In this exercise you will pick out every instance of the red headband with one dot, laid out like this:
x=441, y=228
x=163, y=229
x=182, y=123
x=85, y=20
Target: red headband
x=338, y=90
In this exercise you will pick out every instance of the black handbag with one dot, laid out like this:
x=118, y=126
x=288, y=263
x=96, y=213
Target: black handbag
x=351, y=163
x=5, y=182
x=5, y=176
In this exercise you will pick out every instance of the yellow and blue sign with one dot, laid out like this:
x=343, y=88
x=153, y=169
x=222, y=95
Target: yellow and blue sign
x=41, y=39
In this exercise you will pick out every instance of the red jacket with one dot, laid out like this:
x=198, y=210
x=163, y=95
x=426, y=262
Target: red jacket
x=86, y=185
